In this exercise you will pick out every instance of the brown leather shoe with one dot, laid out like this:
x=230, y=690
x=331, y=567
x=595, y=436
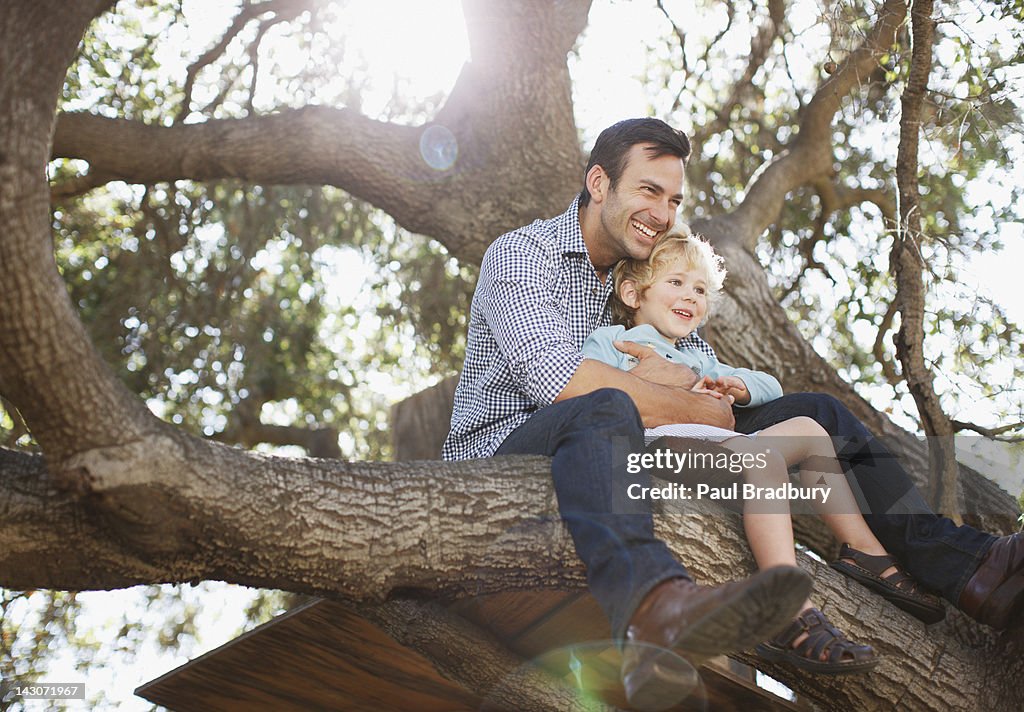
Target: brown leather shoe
x=699, y=622
x=994, y=595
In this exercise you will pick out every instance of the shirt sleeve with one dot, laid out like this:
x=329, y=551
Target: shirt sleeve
x=598, y=346
x=515, y=297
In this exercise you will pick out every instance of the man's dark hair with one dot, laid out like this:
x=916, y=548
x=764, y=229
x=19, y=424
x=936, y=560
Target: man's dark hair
x=611, y=151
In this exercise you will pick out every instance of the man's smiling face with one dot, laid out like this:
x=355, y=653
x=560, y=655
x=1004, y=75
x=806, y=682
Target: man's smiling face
x=640, y=208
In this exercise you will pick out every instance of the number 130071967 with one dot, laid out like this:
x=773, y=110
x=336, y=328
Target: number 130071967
x=50, y=690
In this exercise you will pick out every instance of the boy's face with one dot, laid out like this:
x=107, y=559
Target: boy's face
x=676, y=302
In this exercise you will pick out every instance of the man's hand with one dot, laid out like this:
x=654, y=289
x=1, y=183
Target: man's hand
x=656, y=369
x=698, y=405
x=659, y=404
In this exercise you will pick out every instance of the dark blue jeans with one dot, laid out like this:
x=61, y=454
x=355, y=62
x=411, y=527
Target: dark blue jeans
x=932, y=549
x=587, y=438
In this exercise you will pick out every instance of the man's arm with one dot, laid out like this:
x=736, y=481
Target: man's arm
x=658, y=404
x=655, y=369
x=515, y=298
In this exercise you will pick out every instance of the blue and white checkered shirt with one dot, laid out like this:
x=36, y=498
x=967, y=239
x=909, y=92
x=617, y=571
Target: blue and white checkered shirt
x=536, y=302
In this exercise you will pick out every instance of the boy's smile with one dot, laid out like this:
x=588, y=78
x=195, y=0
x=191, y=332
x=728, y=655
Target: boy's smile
x=676, y=302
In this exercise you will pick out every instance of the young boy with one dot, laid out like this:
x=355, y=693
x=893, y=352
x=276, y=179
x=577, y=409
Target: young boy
x=660, y=302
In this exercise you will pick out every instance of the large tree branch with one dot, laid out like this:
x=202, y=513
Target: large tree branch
x=509, y=115
x=809, y=156
x=178, y=509
x=310, y=145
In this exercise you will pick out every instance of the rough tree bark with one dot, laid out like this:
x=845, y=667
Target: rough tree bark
x=123, y=498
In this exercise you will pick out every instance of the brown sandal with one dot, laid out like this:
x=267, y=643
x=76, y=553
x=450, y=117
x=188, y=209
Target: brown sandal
x=898, y=588
x=841, y=654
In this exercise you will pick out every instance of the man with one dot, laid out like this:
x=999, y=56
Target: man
x=527, y=389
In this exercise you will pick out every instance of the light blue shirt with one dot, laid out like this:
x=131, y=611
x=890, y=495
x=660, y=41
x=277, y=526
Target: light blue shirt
x=598, y=346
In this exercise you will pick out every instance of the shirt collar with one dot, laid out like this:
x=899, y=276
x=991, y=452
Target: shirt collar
x=691, y=341
x=570, y=235
x=570, y=240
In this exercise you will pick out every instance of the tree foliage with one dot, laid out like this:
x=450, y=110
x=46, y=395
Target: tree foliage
x=826, y=253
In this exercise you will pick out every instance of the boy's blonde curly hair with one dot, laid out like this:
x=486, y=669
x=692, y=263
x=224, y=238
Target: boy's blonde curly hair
x=695, y=251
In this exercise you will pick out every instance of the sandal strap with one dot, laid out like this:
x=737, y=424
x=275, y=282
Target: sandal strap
x=793, y=631
x=822, y=638
x=876, y=564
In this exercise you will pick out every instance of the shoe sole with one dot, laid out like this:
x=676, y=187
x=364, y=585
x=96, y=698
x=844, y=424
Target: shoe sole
x=750, y=616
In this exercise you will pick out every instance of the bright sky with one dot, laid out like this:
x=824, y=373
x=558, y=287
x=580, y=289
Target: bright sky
x=423, y=45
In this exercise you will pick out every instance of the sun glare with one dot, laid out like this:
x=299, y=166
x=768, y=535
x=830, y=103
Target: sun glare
x=418, y=46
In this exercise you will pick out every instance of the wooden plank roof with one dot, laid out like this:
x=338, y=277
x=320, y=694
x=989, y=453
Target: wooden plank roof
x=322, y=656
x=319, y=656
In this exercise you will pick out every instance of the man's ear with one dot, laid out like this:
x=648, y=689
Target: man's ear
x=629, y=294
x=597, y=183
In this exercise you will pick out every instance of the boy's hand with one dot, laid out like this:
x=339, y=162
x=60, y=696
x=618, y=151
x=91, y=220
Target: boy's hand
x=732, y=386
x=708, y=386
x=656, y=369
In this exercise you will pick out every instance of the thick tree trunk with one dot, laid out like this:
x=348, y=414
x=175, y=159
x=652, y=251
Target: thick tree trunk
x=48, y=366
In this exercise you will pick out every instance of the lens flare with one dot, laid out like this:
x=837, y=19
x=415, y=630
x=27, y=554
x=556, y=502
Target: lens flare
x=438, y=147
